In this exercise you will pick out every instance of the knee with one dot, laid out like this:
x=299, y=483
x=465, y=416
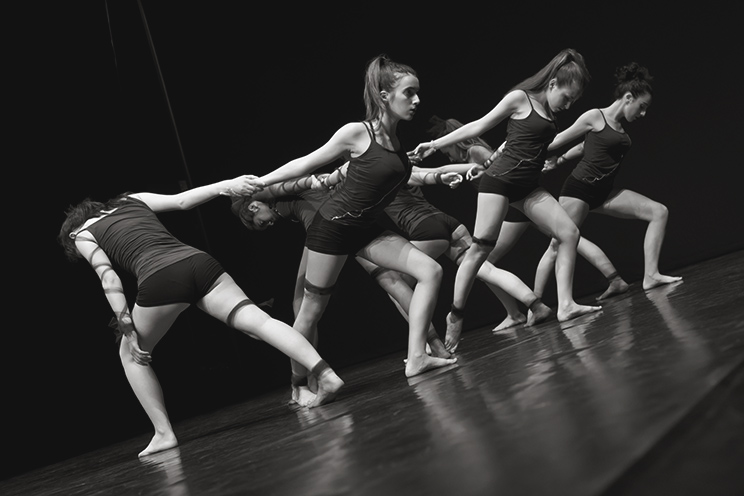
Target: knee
x=659, y=212
x=566, y=235
x=430, y=271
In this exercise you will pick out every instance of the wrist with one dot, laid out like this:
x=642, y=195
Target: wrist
x=433, y=145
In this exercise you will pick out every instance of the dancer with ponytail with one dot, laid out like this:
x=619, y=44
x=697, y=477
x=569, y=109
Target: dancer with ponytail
x=126, y=233
x=590, y=187
x=514, y=179
x=345, y=223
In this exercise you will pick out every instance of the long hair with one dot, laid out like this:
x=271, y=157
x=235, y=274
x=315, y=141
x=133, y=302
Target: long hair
x=76, y=215
x=566, y=68
x=633, y=78
x=441, y=127
x=382, y=74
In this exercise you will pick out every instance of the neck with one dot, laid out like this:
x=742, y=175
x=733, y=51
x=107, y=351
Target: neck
x=615, y=111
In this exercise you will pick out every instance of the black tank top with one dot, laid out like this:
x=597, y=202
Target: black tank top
x=526, y=147
x=603, y=152
x=134, y=239
x=372, y=181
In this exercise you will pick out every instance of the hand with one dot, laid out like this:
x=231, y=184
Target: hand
x=423, y=150
x=140, y=356
x=475, y=172
x=413, y=158
x=452, y=179
x=550, y=164
x=318, y=182
x=244, y=186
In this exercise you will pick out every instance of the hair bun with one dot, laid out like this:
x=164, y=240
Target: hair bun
x=632, y=72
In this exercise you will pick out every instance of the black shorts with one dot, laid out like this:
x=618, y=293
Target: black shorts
x=333, y=238
x=439, y=226
x=513, y=191
x=595, y=194
x=185, y=281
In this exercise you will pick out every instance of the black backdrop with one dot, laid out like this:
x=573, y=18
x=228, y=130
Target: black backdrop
x=249, y=88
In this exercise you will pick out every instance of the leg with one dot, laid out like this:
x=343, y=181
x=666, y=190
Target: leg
x=507, y=287
x=224, y=302
x=631, y=205
x=151, y=323
x=395, y=253
x=490, y=214
x=400, y=292
x=545, y=211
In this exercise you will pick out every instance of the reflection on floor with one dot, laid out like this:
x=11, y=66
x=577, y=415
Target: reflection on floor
x=644, y=397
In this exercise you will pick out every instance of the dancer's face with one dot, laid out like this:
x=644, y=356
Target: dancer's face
x=636, y=107
x=403, y=100
x=562, y=97
x=263, y=216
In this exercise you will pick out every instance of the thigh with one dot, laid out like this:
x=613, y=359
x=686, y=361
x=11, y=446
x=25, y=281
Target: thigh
x=575, y=208
x=490, y=215
x=395, y=252
x=627, y=204
x=152, y=323
x=323, y=269
x=433, y=247
x=547, y=214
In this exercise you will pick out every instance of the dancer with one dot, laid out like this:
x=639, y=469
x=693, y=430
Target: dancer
x=436, y=233
x=514, y=179
x=345, y=222
x=125, y=232
x=479, y=156
x=590, y=187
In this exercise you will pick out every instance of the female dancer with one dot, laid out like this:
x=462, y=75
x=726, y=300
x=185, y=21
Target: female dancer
x=436, y=233
x=514, y=176
x=590, y=187
x=345, y=222
x=171, y=275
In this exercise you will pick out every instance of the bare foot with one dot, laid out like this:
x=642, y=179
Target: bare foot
x=617, y=286
x=302, y=395
x=454, y=329
x=510, y=321
x=160, y=442
x=328, y=385
x=435, y=347
x=419, y=364
x=575, y=310
x=540, y=313
x=650, y=282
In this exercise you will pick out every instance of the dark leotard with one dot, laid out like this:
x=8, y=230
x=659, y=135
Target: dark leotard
x=592, y=179
x=346, y=221
x=516, y=172
x=133, y=238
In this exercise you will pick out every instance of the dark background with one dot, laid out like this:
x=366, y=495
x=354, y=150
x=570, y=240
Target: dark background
x=251, y=87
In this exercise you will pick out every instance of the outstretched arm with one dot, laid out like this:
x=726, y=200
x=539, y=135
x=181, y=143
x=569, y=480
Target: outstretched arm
x=508, y=105
x=450, y=175
x=240, y=186
x=588, y=121
x=114, y=291
x=346, y=140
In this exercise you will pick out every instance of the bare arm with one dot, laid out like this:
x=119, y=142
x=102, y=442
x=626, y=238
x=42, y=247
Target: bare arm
x=348, y=139
x=588, y=121
x=240, y=186
x=114, y=291
x=508, y=106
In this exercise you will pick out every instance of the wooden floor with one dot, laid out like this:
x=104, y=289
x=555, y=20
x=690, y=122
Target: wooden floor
x=644, y=397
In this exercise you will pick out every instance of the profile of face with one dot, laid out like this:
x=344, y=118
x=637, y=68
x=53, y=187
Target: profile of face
x=403, y=100
x=561, y=97
x=263, y=216
x=635, y=107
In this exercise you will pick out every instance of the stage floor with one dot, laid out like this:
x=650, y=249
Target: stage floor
x=644, y=397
